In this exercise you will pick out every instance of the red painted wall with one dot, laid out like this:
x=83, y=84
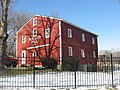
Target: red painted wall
x=77, y=44
x=28, y=31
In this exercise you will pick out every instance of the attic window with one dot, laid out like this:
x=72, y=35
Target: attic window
x=69, y=33
x=93, y=40
x=34, y=21
x=83, y=37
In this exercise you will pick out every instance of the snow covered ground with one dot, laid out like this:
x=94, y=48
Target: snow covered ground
x=62, y=80
x=98, y=88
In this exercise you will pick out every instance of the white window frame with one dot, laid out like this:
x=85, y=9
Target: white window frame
x=47, y=33
x=83, y=37
x=94, y=54
x=23, y=38
x=69, y=33
x=35, y=54
x=34, y=34
x=23, y=57
x=93, y=40
x=83, y=53
x=35, y=21
x=70, y=51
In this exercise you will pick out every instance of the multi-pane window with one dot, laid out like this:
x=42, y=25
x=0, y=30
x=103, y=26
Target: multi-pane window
x=34, y=32
x=83, y=37
x=47, y=33
x=34, y=21
x=70, y=51
x=69, y=33
x=23, y=38
x=93, y=40
x=94, y=54
x=34, y=54
x=82, y=53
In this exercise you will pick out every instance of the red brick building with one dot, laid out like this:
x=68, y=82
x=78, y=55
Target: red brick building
x=44, y=36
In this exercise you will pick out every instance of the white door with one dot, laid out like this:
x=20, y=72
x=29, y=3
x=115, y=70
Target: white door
x=23, y=57
x=85, y=67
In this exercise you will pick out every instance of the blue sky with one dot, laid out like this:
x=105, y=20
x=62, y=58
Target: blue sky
x=101, y=17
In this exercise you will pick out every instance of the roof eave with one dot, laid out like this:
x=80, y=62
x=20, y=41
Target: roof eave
x=78, y=27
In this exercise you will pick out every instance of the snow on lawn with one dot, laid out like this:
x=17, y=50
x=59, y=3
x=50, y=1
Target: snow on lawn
x=62, y=80
x=98, y=88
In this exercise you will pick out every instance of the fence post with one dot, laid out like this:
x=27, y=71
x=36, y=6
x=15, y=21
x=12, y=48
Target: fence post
x=75, y=71
x=34, y=72
x=112, y=68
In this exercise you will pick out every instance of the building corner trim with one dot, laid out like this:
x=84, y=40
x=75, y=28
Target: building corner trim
x=17, y=45
x=60, y=42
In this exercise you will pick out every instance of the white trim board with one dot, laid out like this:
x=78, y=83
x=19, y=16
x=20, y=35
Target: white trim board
x=38, y=46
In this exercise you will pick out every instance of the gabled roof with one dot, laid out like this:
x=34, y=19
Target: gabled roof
x=60, y=20
x=25, y=24
x=79, y=27
x=31, y=19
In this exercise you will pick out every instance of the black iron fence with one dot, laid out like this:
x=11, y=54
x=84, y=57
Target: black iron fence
x=69, y=73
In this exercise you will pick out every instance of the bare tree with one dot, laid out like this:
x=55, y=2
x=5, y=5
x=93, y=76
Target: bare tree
x=47, y=35
x=50, y=25
x=0, y=12
x=16, y=20
x=114, y=52
x=3, y=29
x=105, y=52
